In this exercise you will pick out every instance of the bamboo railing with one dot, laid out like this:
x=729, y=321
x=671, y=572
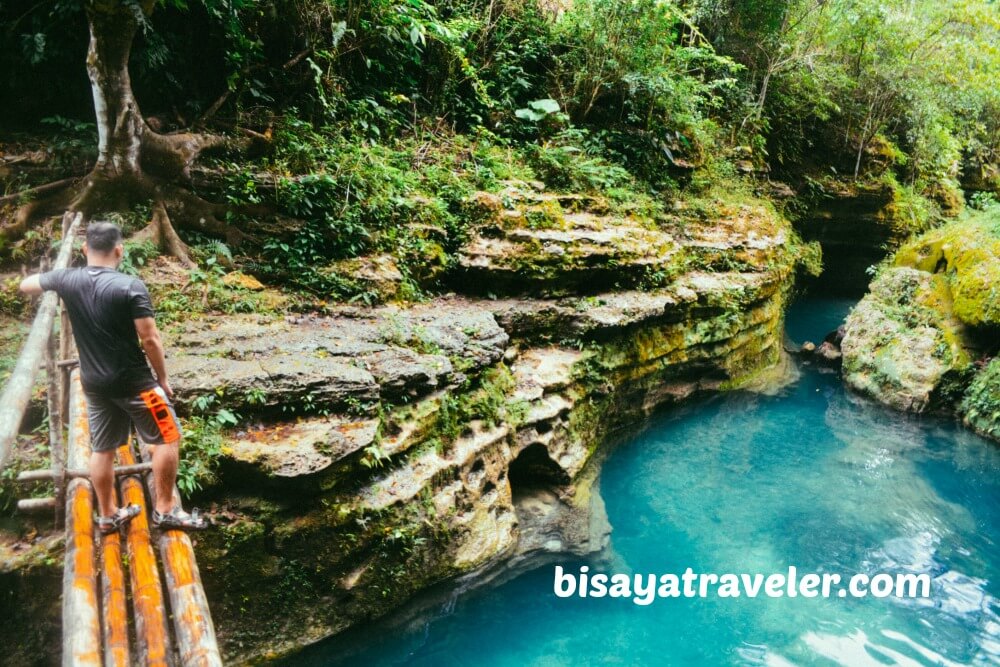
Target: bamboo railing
x=17, y=391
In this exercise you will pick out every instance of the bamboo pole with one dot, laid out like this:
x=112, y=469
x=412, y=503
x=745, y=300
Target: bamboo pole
x=66, y=345
x=147, y=595
x=193, y=627
x=56, y=446
x=44, y=475
x=81, y=624
x=17, y=391
x=36, y=504
x=113, y=602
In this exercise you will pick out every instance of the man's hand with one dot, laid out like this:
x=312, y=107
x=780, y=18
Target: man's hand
x=149, y=336
x=167, y=389
x=31, y=285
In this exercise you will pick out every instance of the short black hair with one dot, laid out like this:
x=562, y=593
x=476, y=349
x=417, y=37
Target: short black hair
x=103, y=236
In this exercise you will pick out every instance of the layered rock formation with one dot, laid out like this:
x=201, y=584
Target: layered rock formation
x=473, y=424
x=857, y=225
x=457, y=440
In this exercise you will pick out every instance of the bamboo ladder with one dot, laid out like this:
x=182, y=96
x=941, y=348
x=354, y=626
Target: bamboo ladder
x=98, y=629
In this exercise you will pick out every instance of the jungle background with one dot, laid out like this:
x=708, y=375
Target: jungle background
x=330, y=150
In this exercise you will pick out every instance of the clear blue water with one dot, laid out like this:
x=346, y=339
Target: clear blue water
x=811, y=477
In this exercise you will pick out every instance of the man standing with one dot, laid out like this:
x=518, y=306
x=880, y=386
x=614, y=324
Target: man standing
x=111, y=314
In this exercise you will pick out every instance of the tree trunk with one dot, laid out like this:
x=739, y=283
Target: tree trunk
x=134, y=163
x=120, y=126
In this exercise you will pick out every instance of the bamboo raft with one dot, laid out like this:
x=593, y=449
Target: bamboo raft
x=117, y=609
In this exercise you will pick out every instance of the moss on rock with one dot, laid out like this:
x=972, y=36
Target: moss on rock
x=967, y=252
x=930, y=312
x=902, y=343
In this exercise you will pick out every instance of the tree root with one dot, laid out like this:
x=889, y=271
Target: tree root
x=47, y=189
x=162, y=234
x=166, y=167
x=171, y=156
x=174, y=208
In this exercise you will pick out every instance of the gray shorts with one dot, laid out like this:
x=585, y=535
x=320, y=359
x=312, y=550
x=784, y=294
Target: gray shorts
x=151, y=412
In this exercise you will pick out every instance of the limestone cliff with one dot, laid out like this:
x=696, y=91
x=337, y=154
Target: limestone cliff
x=461, y=434
x=858, y=224
x=447, y=442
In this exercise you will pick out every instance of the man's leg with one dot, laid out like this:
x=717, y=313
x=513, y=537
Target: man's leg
x=156, y=422
x=165, y=458
x=109, y=427
x=102, y=477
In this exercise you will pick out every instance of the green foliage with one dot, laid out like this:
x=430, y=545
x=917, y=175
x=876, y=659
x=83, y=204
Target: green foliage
x=538, y=110
x=488, y=399
x=74, y=142
x=137, y=255
x=131, y=220
x=832, y=78
x=981, y=405
x=564, y=163
x=203, y=440
x=12, y=302
x=406, y=198
x=640, y=72
x=200, y=451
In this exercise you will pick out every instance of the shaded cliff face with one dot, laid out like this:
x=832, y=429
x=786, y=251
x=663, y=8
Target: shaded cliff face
x=857, y=225
x=927, y=334
x=396, y=449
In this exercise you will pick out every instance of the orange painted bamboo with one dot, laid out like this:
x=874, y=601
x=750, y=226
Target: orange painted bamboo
x=193, y=627
x=192, y=620
x=81, y=619
x=147, y=595
x=113, y=602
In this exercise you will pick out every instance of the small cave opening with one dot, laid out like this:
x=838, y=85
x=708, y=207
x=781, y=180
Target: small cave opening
x=534, y=469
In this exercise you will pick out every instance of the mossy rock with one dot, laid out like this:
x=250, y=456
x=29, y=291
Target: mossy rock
x=968, y=253
x=377, y=274
x=947, y=196
x=903, y=345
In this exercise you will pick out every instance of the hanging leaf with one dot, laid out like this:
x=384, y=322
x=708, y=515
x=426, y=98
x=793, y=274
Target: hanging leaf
x=529, y=114
x=546, y=106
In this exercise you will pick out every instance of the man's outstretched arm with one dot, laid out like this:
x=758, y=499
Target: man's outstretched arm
x=31, y=285
x=149, y=336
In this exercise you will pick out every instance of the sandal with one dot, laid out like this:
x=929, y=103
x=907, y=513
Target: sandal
x=109, y=524
x=180, y=520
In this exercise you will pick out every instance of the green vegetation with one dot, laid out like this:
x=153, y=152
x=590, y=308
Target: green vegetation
x=383, y=118
x=981, y=406
x=203, y=434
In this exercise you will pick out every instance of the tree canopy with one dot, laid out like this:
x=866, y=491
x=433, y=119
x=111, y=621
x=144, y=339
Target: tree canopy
x=665, y=95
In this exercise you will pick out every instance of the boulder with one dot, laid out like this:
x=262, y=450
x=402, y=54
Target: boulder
x=377, y=274
x=903, y=345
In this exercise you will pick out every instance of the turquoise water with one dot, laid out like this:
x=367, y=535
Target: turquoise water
x=811, y=477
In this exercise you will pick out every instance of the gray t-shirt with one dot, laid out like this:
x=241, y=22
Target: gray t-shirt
x=102, y=305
